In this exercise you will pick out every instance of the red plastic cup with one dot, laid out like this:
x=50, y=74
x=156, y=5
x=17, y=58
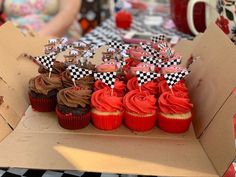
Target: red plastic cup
x=179, y=15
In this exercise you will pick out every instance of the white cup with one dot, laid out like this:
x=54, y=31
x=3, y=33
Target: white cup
x=211, y=13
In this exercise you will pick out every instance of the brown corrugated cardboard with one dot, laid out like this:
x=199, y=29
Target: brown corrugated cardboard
x=42, y=143
x=4, y=128
x=217, y=139
x=213, y=77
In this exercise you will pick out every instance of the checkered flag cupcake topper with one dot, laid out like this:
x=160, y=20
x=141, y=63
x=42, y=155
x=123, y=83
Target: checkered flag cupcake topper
x=47, y=61
x=144, y=77
x=151, y=60
x=158, y=38
x=173, y=78
x=118, y=45
x=174, y=62
x=77, y=73
x=107, y=78
x=150, y=50
x=121, y=64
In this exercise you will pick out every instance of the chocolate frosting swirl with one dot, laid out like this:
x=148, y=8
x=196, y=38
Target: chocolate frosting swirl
x=42, y=84
x=85, y=82
x=74, y=97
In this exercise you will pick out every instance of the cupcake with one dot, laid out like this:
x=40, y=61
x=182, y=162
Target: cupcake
x=43, y=91
x=85, y=82
x=107, y=109
x=151, y=86
x=140, y=110
x=73, y=109
x=178, y=87
x=126, y=69
x=119, y=87
x=174, y=115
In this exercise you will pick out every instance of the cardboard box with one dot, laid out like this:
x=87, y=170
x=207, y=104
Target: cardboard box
x=35, y=140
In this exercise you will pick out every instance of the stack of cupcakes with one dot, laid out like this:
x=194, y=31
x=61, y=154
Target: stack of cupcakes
x=44, y=87
x=106, y=101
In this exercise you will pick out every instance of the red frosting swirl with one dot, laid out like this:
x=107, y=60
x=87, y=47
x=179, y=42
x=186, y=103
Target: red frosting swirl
x=149, y=86
x=140, y=102
x=102, y=100
x=179, y=87
x=119, y=86
x=170, y=103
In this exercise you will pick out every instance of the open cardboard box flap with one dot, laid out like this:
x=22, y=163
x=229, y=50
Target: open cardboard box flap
x=37, y=140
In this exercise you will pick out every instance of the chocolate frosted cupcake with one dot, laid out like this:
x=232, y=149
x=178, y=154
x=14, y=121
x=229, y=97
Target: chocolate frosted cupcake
x=73, y=109
x=85, y=82
x=57, y=68
x=43, y=91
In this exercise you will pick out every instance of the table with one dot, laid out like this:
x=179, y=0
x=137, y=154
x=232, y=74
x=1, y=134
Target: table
x=108, y=32
x=100, y=35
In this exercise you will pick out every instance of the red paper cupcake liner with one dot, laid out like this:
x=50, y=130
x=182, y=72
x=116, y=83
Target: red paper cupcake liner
x=73, y=122
x=139, y=123
x=107, y=122
x=43, y=104
x=173, y=125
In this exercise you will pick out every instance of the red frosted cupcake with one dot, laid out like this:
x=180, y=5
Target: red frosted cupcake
x=43, y=92
x=174, y=114
x=119, y=87
x=140, y=110
x=73, y=109
x=178, y=87
x=107, y=111
x=151, y=86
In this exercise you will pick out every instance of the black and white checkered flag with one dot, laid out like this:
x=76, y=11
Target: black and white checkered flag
x=158, y=38
x=77, y=73
x=170, y=63
x=173, y=78
x=150, y=50
x=121, y=64
x=46, y=61
x=144, y=77
x=118, y=45
x=107, y=78
x=151, y=60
